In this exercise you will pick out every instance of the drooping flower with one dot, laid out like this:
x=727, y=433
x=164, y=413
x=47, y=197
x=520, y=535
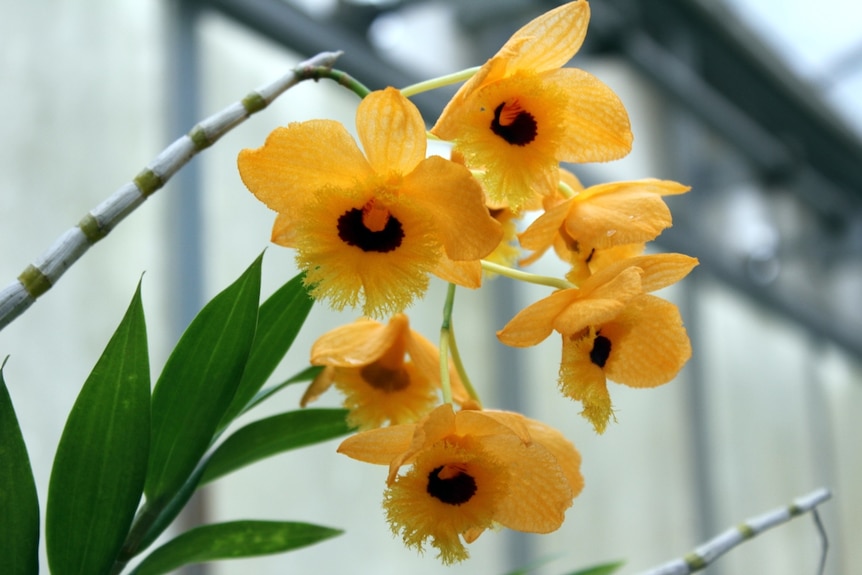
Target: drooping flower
x=582, y=262
x=470, y=471
x=600, y=218
x=369, y=228
x=612, y=329
x=644, y=346
x=522, y=113
x=387, y=373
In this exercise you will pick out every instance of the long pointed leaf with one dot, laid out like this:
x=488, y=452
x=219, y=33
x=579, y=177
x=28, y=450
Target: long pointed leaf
x=19, y=504
x=230, y=541
x=279, y=321
x=101, y=462
x=274, y=435
x=199, y=381
x=603, y=569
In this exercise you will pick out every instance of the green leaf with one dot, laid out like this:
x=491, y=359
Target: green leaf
x=19, y=504
x=198, y=383
x=536, y=564
x=101, y=461
x=274, y=435
x=230, y=541
x=603, y=569
x=279, y=321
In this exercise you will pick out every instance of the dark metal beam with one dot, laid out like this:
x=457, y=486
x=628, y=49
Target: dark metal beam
x=292, y=28
x=822, y=326
x=818, y=149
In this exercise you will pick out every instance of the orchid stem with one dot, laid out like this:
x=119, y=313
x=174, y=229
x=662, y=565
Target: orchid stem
x=448, y=345
x=439, y=82
x=459, y=366
x=526, y=276
x=445, y=338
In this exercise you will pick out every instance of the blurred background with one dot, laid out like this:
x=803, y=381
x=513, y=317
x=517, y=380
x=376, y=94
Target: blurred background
x=754, y=104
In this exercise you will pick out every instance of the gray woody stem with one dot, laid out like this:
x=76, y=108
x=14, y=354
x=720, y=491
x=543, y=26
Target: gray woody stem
x=724, y=542
x=43, y=273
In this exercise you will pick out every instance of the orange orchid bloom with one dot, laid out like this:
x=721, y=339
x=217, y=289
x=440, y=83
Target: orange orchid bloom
x=611, y=328
x=523, y=113
x=644, y=346
x=366, y=361
x=584, y=262
x=470, y=471
x=600, y=218
x=369, y=228
x=387, y=373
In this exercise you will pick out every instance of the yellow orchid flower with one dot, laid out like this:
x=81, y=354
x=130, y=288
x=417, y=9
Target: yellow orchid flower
x=522, y=113
x=370, y=227
x=602, y=217
x=470, y=471
x=644, y=346
x=611, y=328
x=599, y=299
x=584, y=261
x=366, y=362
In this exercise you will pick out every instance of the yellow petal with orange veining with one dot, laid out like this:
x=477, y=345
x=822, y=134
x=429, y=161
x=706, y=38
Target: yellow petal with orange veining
x=549, y=41
x=378, y=446
x=536, y=322
x=286, y=171
x=353, y=344
x=595, y=122
x=392, y=132
x=656, y=270
x=450, y=197
x=651, y=344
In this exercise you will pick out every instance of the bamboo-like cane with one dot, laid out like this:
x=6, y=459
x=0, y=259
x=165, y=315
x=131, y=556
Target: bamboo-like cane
x=43, y=273
x=708, y=552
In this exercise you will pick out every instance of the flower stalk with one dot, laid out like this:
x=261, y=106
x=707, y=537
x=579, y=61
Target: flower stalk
x=528, y=277
x=445, y=340
x=434, y=83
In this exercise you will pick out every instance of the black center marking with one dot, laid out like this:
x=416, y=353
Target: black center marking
x=352, y=231
x=519, y=132
x=601, y=350
x=454, y=490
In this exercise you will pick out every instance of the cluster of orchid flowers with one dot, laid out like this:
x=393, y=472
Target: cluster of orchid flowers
x=369, y=227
